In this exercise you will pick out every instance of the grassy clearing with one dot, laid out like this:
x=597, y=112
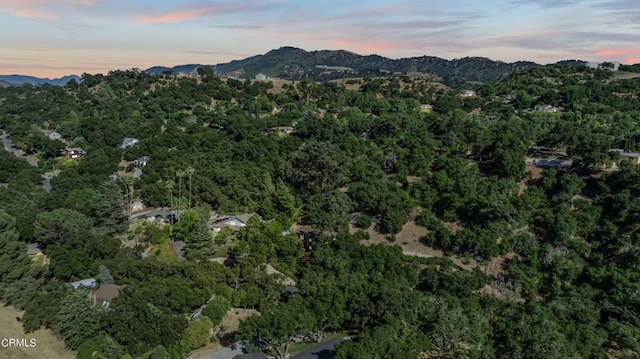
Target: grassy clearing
x=47, y=345
x=164, y=252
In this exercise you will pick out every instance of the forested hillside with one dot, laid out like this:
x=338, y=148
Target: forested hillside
x=529, y=242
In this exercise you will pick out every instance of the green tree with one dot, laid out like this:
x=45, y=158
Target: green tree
x=198, y=333
x=77, y=320
x=109, y=209
x=62, y=225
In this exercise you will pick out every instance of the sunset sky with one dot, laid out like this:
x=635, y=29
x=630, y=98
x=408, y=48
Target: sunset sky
x=52, y=38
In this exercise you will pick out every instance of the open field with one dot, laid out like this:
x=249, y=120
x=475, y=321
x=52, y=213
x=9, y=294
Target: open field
x=47, y=345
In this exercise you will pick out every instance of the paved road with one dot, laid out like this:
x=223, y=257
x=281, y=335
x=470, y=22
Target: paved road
x=224, y=353
x=320, y=351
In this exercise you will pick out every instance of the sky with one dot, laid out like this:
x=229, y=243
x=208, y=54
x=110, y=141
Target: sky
x=52, y=38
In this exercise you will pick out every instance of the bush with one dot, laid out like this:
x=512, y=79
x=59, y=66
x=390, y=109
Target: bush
x=216, y=309
x=198, y=333
x=364, y=221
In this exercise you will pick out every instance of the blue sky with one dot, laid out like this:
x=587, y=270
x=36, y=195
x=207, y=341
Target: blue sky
x=57, y=37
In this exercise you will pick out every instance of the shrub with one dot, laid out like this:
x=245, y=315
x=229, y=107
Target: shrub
x=216, y=309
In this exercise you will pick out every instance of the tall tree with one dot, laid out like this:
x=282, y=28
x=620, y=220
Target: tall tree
x=109, y=209
x=78, y=320
x=190, y=171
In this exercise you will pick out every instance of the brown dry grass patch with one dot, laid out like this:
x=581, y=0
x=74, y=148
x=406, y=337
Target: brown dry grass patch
x=47, y=344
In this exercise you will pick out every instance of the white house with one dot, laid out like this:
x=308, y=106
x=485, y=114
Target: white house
x=128, y=142
x=232, y=222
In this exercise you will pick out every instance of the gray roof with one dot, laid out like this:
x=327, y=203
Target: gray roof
x=33, y=248
x=128, y=141
x=624, y=153
x=86, y=283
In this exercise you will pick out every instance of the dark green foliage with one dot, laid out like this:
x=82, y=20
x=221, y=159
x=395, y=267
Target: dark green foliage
x=77, y=319
x=216, y=309
x=364, y=221
x=556, y=253
x=139, y=325
x=328, y=211
x=109, y=209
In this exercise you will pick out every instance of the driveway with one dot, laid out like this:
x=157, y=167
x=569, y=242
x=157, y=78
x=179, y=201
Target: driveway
x=321, y=351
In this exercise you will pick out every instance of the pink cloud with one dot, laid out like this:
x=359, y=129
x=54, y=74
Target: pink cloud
x=632, y=60
x=196, y=12
x=41, y=9
x=617, y=52
x=173, y=17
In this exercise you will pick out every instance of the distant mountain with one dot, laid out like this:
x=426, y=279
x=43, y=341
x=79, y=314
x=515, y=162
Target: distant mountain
x=4, y=84
x=294, y=64
x=23, y=79
x=573, y=62
x=176, y=70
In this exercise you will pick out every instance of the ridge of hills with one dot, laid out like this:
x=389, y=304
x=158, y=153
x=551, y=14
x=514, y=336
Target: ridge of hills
x=8, y=80
x=291, y=63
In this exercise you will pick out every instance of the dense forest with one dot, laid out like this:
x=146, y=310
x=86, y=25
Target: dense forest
x=529, y=262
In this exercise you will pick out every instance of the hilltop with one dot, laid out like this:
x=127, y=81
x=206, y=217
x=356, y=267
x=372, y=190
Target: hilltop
x=292, y=63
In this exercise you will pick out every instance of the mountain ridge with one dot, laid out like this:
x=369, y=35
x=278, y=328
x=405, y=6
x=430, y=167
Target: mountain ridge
x=17, y=80
x=292, y=63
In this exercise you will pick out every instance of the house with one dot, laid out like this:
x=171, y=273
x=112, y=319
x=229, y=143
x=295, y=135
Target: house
x=545, y=108
x=426, y=108
x=85, y=283
x=232, y=222
x=469, y=93
x=261, y=77
x=34, y=250
x=307, y=236
x=128, y=142
x=141, y=162
x=105, y=294
x=282, y=130
x=137, y=205
x=74, y=152
x=632, y=157
x=52, y=135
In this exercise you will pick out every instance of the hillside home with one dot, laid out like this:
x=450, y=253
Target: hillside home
x=141, y=162
x=128, y=142
x=545, y=108
x=85, y=283
x=105, y=294
x=469, y=93
x=261, y=77
x=426, y=108
x=232, y=222
x=137, y=205
x=73, y=153
x=282, y=130
x=632, y=157
x=34, y=250
x=52, y=135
